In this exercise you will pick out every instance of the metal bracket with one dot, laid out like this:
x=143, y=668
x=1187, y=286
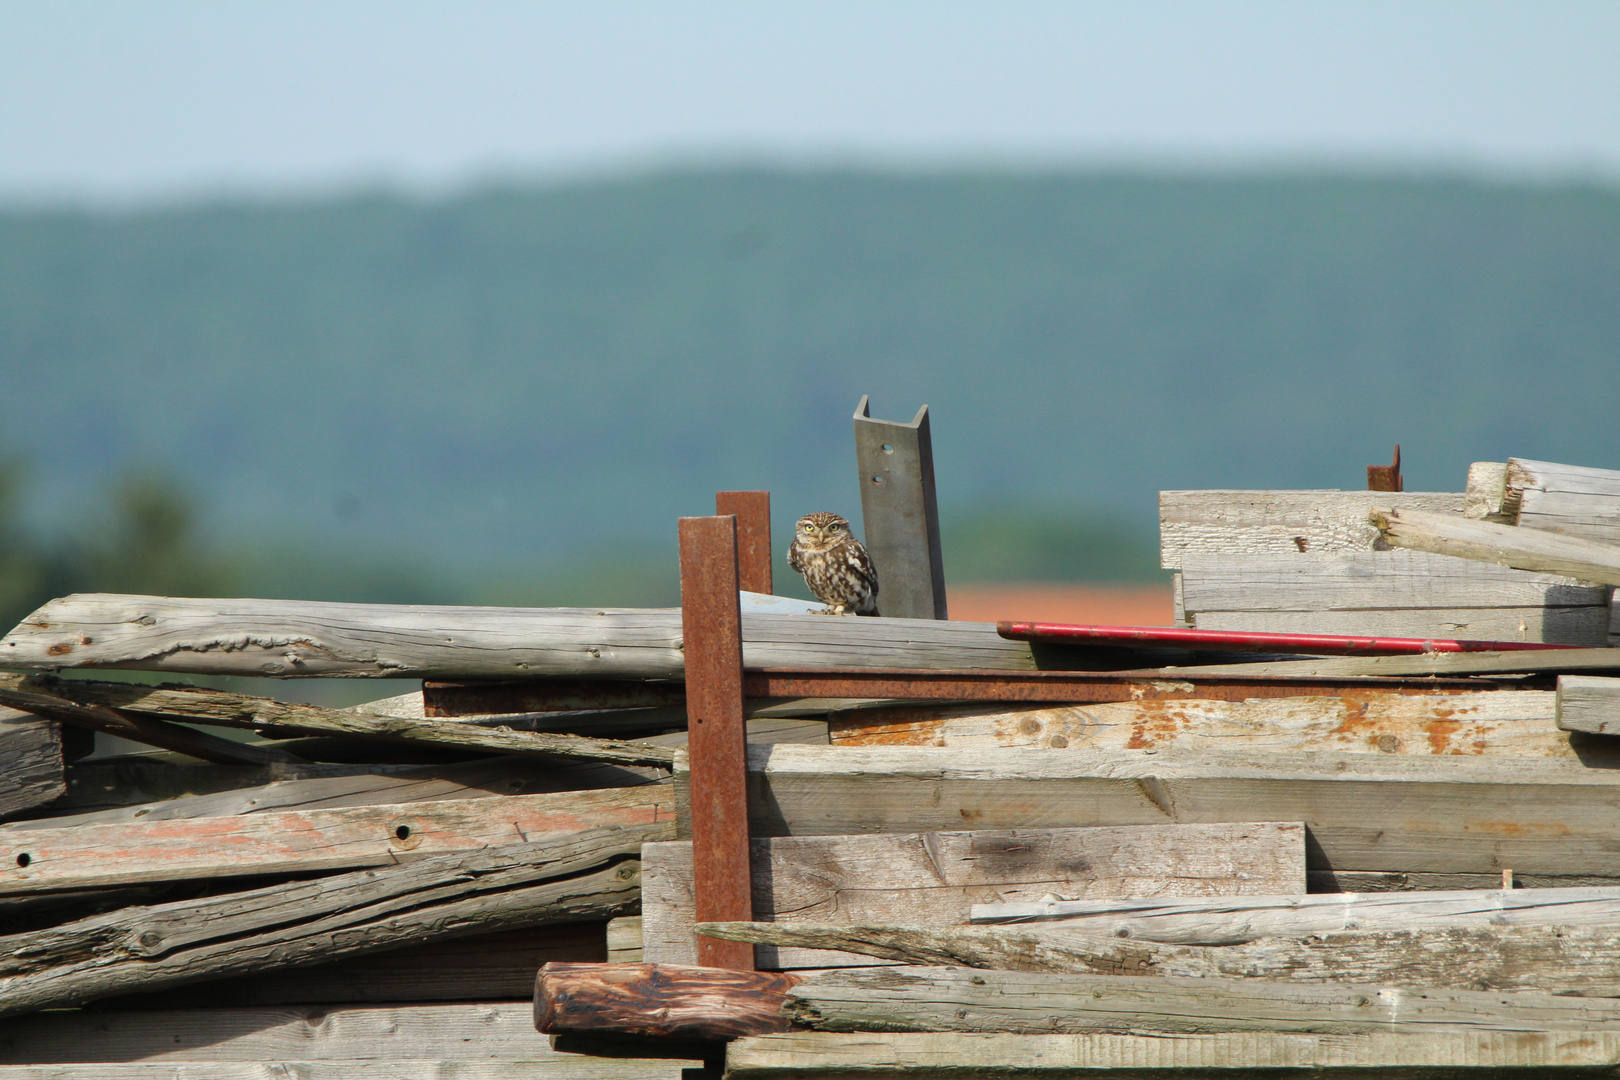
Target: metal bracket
x=899, y=513
x=1386, y=477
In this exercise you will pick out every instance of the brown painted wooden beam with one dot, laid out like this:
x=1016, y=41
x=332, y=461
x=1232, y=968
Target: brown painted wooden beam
x=711, y=628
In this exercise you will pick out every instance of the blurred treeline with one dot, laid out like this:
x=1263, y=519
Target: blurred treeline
x=144, y=533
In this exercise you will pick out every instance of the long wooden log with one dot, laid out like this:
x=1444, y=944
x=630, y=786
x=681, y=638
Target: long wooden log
x=1505, y=723
x=301, y=638
x=15, y=694
x=663, y=1000
x=1501, y=545
x=31, y=766
x=91, y=856
x=1026, y=1002
x=797, y=1055
x=1241, y=919
x=936, y=878
x=1583, y=961
x=569, y=878
x=199, y=705
x=1365, y=812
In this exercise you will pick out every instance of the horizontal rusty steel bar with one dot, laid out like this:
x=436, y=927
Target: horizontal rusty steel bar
x=922, y=684
x=1254, y=641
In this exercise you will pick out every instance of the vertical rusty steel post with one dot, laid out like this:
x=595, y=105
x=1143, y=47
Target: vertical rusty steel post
x=752, y=509
x=899, y=514
x=711, y=628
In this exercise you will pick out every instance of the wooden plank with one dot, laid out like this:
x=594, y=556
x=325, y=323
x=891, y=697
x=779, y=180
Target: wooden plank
x=31, y=768
x=205, y=706
x=489, y=778
x=1456, y=664
x=489, y=1031
x=305, y=638
x=934, y=879
x=624, y=935
x=1589, y=703
x=1587, y=626
x=1512, y=723
x=1487, y=484
x=484, y=967
x=795, y=1055
x=1040, y=1003
x=1501, y=545
x=1229, y=921
x=1582, y=961
x=1194, y=524
x=1569, y=499
x=589, y=875
x=556, y=1066
x=718, y=806
x=1439, y=814
x=1364, y=581
x=284, y=842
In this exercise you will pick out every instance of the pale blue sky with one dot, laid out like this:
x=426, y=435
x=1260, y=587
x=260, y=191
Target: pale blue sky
x=117, y=101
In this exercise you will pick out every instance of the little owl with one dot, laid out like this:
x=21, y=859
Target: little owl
x=834, y=564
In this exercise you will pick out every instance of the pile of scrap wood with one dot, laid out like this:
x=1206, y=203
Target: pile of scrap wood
x=970, y=853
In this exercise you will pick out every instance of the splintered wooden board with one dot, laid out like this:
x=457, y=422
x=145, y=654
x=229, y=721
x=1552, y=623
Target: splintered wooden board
x=1380, y=812
x=1514, y=723
x=934, y=879
x=90, y=856
x=31, y=766
x=1570, y=499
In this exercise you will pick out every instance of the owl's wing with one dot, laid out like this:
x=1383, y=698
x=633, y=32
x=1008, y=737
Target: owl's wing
x=861, y=563
x=793, y=558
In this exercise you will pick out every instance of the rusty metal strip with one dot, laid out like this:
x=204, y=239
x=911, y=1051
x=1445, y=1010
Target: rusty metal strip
x=711, y=628
x=1386, y=477
x=752, y=509
x=548, y=695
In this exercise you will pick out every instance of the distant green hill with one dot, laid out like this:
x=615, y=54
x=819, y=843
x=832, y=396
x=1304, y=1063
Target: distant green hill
x=517, y=383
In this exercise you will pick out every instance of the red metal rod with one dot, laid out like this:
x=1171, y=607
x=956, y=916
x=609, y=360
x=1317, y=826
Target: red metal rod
x=711, y=629
x=1246, y=641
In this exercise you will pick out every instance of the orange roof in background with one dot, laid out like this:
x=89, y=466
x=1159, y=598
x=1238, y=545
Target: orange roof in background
x=1062, y=602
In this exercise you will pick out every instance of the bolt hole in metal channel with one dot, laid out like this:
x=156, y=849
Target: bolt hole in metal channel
x=877, y=479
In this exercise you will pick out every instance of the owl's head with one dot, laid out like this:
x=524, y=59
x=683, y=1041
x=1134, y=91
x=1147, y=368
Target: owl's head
x=822, y=529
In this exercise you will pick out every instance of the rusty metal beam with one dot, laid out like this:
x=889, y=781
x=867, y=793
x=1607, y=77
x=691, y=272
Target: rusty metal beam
x=752, y=509
x=711, y=629
x=1386, y=477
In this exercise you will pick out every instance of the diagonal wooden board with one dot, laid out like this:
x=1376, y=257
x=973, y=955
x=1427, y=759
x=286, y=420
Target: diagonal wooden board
x=31, y=766
x=1364, y=812
x=935, y=878
x=91, y=856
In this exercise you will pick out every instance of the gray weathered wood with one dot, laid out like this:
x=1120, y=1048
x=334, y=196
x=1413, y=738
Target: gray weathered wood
x=1502, y=545
x=1464, y=663
x=935, y=879
x=563, y=879
x=1193, y=524
x=1437, y=814
x=1511, y=723
x=1027, y=1002
x=1570, y=499
x=483, y=967
x=413, y=784
x=1235, y=920
x=31, y=768
x=1393, y=593
x=302, y=638
x=796, y=1055
x=494, y=1032
x=1589, y=703
x=200, y=705
x=624, y=941
x=556, y=1066
x=280, y=842
x=1583, y=961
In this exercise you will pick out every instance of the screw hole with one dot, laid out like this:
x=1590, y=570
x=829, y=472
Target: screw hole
x=877, y=479
x=402, y=832
x=24, y=859
x=887, y=449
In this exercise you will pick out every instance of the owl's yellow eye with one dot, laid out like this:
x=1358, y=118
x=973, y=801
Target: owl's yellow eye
x=809, y=528
x=833, y=527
